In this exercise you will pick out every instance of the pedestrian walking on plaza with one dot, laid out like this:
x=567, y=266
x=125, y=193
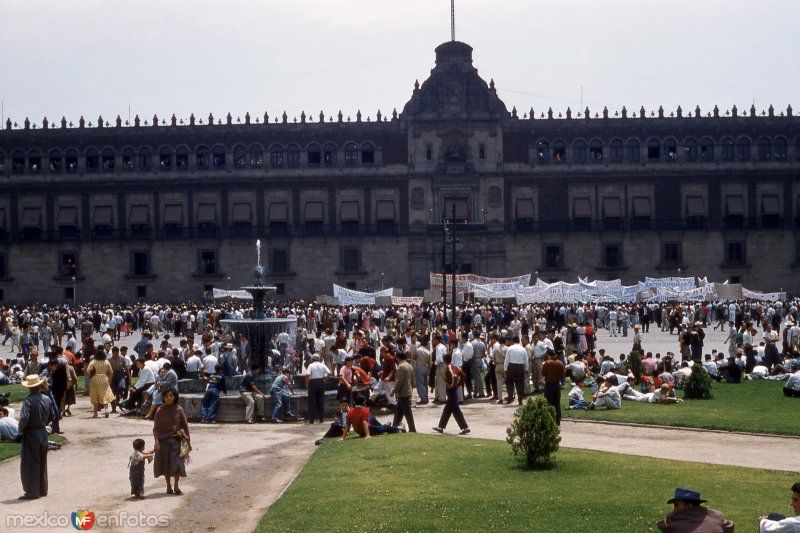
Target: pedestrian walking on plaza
x=454, y=377
x=402, y=390
x=170, y=426
x=36, y=413
x=553, y=373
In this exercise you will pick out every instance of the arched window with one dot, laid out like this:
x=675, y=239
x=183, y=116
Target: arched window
x=202, y=157
x=182, y=158
x=633, y=150
x=145, y=158
x=559, y=151
x=256, y=156
x=764, y=149
x=542, y=151
x=743, y=149
x=617, y=151
x=351, y=154
x=108, y=159
x=653, y=150
x=239, y=156
x=71, y=160
x=367, y=154
x=2, y=162
x=34, y=161
x=707, y=149
x=218, y=156
x=18, y=162
x=797, y=148
x=671, y=149
x=596, y=150
x=579, y=151
x=780, y=149
x=690, y=150
x=55, y=163
x=165, y=158
x=128, y=159
x=314, y=155
x=92, y=160
x=727, y=149
x=329, y=155
x=293, y=156
x=276, y=156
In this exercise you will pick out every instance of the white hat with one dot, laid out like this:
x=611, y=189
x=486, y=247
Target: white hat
x=32, y=381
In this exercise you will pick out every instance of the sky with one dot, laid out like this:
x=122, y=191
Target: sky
x=103, y=57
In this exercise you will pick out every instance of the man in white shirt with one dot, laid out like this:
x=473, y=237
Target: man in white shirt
x=775, y=524
x=210, y=363
x=479, y=352
x=516, y=364
x=608, y=396
x=792, y=386
x=439, y=351
x=539, y=348
x=193, y=365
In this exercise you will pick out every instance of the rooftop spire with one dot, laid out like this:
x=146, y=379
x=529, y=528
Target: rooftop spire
x=452, y=20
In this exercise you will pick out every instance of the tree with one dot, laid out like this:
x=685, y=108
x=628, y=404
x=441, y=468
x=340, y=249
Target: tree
x=634, y=364
x=534, y=435
x=698, y=385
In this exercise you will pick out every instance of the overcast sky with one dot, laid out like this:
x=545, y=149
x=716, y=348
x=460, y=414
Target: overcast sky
x=93, y=57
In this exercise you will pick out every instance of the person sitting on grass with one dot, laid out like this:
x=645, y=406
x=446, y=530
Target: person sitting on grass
x=664, y=395
x=339, y=423
x=366, y=425
x=792, y=386
x=607, y=396
x=731, y=373
x=688, y=515
x=777, y=523
x=575, y=397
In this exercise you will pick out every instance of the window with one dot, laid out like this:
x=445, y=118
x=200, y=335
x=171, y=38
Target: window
x=31, y=223
x=2, y=162
x=764, y=149
x=207, y=220
x=633, y=150
x=351, y=154
x=780, y=149
x=208, y=263
x=276, y=156
x=280, y=261
x=54, y=161
x=727, y=149
x=67, y=222
x=240, y=157
x=612, y=213
x=384, y=216
x=653, y=150
x=173, y=220
x=140, y=221
x=293, y=156
x=278, y=218
x=617, y=151
x=202, y=157
x=3, y=226
x=256, y=156
x=128, y=159
x=71, y=161
x=559, y=151
x=242, y=218
x=329, y=155
x=367, y=154
x=542, y=151
x=103, y=221
x=351, y=260
x=141, y=291
x=314, y=155
x=69, y=294
x=695, y=212
x=743, y=149
x=525, y=214
x=612, y=255
x=313, y=217
x=182, y=158
x=735, y=254
x=165, y=158
x=734, y=211
x=770, y=211
x=18, y=162
x=481, y=151
x=349, y=218
x=34, y=161
x=145, y=158
x=690, y=150
x=671, y=254
x=280, y=289
x=671, y=149
x=579, y=151
x=706, y=149
x=641, y=212
x=67, y=264
x=596, y=150
x=3, y=272
x=582, y=212
x=553, y=257
x=428, y=152
x=457, y=208
x=92, y=160
x=140, y=263
x=218, y=156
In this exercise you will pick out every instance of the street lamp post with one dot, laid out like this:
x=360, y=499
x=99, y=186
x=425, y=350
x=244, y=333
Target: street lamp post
x=453, y=236
x=74, y=292
x=381, y=280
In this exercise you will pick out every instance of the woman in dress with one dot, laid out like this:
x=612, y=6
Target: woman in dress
x=170, y=425
x=99, y=372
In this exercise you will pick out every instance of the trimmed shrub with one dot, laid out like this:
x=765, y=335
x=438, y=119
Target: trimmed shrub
x=633, y=363
x=698, y=385
x=534, y=435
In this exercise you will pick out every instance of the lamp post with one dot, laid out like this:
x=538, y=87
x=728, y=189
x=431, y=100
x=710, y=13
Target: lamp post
x=382, y=280
x=74, y=292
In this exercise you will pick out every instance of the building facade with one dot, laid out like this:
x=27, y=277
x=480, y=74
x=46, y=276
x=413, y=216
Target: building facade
x=165, y=209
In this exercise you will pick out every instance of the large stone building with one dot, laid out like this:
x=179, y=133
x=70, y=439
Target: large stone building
x=165, y=209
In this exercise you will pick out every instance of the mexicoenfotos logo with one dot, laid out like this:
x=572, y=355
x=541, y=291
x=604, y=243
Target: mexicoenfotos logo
x=82, y=519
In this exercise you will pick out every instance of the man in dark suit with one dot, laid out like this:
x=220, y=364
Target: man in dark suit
x=689, y=515
x=35, y=415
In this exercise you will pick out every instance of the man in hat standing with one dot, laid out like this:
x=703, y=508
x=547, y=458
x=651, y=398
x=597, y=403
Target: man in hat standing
x=688, y=515
x=35, y=415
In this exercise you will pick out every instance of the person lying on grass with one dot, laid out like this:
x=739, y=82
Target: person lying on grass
x=364, y=424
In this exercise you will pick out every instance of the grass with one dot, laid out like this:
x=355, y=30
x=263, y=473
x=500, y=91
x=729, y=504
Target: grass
x=753, y=406
x=416, y=482
x=11, y=449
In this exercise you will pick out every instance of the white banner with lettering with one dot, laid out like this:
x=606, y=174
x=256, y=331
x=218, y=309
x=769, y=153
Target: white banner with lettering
x=406, y=300
x=464, y=282
x=351, y=297
x=239, y=295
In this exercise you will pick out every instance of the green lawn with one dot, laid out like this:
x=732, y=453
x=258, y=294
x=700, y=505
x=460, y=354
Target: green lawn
x=756, y=406
x=11, y=449
x=417, y=482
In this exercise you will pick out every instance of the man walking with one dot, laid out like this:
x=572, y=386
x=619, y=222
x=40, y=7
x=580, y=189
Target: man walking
x=454, y=377
x=402, y=390
x=553, y=373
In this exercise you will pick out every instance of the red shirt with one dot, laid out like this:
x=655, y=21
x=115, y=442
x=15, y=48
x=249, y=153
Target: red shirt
x=356, y=417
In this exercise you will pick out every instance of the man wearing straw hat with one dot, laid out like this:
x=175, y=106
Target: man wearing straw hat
x=35, y=415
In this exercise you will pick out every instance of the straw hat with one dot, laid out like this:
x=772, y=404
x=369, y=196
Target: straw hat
x=32, y=381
